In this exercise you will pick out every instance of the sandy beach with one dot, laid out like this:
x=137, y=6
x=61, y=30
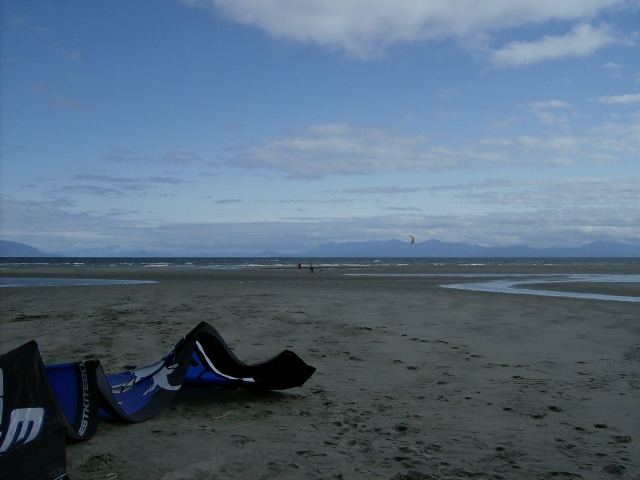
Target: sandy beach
x=413, y=381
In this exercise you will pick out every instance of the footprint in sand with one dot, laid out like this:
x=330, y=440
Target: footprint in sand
x=241, y=440
x=614, y=469
x=562, y=475
x=100, y=462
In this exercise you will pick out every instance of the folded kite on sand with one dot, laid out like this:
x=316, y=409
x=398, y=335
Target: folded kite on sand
x=41, y=404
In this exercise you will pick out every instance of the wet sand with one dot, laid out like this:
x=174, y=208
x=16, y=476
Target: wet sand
x=414, y=381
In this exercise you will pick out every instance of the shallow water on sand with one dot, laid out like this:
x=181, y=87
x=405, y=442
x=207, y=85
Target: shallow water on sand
x=501, y=284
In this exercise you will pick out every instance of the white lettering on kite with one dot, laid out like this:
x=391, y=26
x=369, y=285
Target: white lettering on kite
x=86, y=404
x=24, y=425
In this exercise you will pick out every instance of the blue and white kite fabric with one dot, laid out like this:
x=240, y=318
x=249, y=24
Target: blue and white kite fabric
x=41, y=405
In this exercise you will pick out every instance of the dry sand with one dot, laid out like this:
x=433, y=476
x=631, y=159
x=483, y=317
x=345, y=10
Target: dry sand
x=414, y=381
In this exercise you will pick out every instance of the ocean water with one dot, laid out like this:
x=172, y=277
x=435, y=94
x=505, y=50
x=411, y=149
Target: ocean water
x=229, y=263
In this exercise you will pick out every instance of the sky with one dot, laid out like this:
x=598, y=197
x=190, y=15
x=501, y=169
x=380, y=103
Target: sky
x=187, y=127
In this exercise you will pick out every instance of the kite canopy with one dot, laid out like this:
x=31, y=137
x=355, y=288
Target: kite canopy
x=40, y=405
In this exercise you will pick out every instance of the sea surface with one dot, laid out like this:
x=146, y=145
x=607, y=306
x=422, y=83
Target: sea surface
x=229, y=263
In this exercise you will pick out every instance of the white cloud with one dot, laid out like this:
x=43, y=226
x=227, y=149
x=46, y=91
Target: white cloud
x=575, y=192
x=582, y=41
x=549, y=104
x=557, y=143
x=546, y=111
x=323, y=150
x=347, y=150
x=612, y=67
x=364, y=28
x=388, y=190
x=620, y=99
x=619, y=139
x=125, y=181
x=125, y=155
x=94, y=190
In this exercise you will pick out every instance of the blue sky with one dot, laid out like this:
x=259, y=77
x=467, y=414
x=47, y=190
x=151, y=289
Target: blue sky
x=216, y=126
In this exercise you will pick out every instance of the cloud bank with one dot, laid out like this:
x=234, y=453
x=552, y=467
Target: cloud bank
x=323, y=150
x=541, y=213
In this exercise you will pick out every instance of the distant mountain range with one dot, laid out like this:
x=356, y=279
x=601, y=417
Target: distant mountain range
x=436, y=248
x=15, y=249
x=388, y=248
